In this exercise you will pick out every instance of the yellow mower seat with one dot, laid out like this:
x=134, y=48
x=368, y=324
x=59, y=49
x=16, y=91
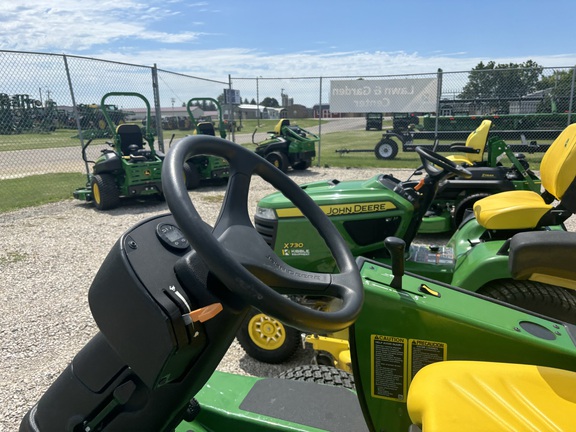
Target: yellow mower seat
x=526, y=209
x=282, y=123
x=482, y=396
x=477, y=142
x=523, y=210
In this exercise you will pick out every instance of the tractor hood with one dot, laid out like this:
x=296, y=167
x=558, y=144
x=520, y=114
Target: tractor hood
x=338, y=197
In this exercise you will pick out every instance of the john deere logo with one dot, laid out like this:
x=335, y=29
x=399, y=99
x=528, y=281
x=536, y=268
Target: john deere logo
x=147, y=172
x=342, y=209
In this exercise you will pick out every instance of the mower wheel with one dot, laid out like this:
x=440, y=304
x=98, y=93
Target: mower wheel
x=279, y=160
x=328, y=375
x=465, y=204
x=266, y=339
x=302, y=165
x=386, y=149
x=104, y=191
x=549, y=300
x=192, y=176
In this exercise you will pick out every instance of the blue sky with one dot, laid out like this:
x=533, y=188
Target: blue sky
x=296, y=38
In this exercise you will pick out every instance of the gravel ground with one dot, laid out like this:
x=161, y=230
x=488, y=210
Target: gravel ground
x=48, y=258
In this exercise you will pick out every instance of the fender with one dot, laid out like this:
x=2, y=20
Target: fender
x=480, y=265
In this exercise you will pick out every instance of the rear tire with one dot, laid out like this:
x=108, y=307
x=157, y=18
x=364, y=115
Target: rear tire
x=328, y=375
x=465, y=204
x=386, y=149
x=279, y=160
x=104, y=191
x=267, y=340
x=302, y=165
x=549, y=300
x=191, y=176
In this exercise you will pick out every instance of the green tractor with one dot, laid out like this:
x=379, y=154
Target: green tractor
x=288, y=146
x=128, y=169
x=204, y=168
x=426, y=356
x=484, y=157
x=366, y=212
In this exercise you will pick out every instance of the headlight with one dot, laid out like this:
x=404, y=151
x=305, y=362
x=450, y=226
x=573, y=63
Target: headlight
x=265, y=213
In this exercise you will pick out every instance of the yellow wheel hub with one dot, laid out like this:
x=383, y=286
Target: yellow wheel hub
x=96, y=192
x=266, y=332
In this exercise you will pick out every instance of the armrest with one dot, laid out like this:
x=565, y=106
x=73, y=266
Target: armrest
x=463, y=148
x=546, y=256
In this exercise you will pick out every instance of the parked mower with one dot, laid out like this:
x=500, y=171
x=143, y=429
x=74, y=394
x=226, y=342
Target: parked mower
x=288, y=146
x=173, y=291
x=483, y=157
x=367, y=212
x=203, y=168
x=128, y=169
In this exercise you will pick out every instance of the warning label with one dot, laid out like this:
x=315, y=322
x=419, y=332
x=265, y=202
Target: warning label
x=388, y=371
x=396, y=360
x=423, y=352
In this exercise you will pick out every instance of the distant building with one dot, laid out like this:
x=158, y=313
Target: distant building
x=250, y=111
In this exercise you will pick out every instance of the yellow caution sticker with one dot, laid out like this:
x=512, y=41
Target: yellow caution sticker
x=395, y=361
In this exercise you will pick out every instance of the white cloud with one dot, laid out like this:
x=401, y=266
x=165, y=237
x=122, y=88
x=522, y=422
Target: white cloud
x=70, y=25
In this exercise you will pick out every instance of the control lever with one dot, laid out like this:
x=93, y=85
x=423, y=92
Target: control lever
x=396, y=246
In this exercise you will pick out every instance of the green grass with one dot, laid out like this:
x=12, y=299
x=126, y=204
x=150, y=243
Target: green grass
x=46, y=188
x=29, y=141
x=368, y=139
x=38, y=189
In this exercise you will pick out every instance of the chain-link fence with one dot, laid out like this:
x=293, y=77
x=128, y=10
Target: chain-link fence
x=52, y=105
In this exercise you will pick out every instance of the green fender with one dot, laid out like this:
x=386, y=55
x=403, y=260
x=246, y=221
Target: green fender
x=480, y=265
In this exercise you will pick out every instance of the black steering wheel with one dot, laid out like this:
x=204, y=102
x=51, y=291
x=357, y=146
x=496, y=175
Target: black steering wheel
x=432, y=160
x=238, y=255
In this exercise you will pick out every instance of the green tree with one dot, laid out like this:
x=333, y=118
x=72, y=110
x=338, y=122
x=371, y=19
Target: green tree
x=270, y=102
x=502, y=82
x=559, y=85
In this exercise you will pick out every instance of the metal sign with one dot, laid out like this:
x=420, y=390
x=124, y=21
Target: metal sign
x=232, y=97
x=394, y=95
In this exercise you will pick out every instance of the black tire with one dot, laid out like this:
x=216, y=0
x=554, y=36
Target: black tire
x=191, y=176
x=465, y=204
x=104, y=191
x=328, y=375
x=279, y=160
x=302, y=165
x=549, y=300
x=386, y=149
x=268, y=340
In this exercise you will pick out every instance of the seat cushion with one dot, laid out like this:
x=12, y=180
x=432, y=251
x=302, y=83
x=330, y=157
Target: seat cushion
x=511, y=210
x=483, y=396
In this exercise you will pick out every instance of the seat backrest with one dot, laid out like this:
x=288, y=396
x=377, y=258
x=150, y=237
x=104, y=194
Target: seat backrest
x=558, y=166
x=477, y=140
x=282, y=123
x=129, y=134
x=205, y=128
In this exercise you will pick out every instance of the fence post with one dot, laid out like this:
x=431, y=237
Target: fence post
x=231, y=110
x=75, y=110
x=438, y=97
x=157, y=108
x=319, y=126
x=571, y=96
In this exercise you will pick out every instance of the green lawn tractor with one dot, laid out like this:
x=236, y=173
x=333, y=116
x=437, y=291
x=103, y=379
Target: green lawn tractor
x=366, y=212
x=484, y=157
x=128, y=169
x=205, y=168
x=288, y=146
x=173, y=291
